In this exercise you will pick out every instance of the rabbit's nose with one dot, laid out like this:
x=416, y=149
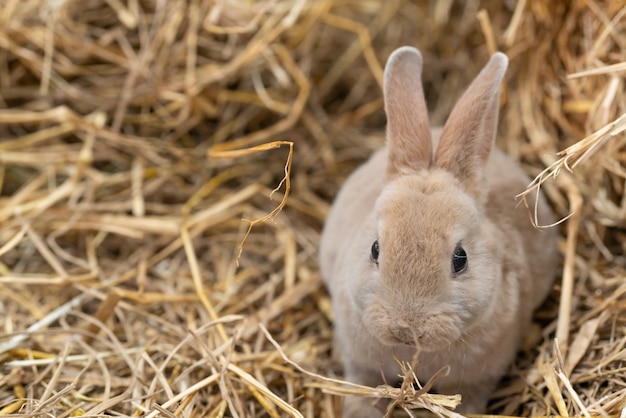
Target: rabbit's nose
x=405, y=333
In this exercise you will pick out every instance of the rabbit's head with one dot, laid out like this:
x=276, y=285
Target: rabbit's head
x=433, y=262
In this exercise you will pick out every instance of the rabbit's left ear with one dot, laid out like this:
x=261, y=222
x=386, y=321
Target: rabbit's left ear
x=408, y=130
x=470, y=132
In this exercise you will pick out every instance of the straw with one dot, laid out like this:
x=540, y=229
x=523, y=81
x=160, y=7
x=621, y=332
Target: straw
x=166, y=168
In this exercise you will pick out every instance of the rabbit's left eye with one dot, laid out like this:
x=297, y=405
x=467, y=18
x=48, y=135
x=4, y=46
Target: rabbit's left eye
x=459, y=260
x=375, y=252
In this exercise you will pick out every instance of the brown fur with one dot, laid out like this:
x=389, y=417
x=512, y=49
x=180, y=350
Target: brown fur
x=420, y=196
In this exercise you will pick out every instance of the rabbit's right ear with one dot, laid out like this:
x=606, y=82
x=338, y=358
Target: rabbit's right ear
x=470, y=132
x=408, y=130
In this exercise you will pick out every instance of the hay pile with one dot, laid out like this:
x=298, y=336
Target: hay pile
x=135, y=136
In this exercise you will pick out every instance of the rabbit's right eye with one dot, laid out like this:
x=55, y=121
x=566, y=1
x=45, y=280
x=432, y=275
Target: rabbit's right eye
x=375, y=252
x=459, y=260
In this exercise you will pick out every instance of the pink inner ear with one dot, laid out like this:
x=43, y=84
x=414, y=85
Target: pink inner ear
x=408, y=129
x=469, y=133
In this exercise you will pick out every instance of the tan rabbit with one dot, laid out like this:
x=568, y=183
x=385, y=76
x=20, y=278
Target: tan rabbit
x=425, y=246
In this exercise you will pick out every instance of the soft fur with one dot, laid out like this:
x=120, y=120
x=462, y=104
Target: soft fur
x=419, y=197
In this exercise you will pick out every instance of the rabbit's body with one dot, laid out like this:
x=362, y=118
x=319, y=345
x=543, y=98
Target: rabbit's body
x=420, y=206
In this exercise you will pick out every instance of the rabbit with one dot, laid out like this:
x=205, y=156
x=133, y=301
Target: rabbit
x=425, y=251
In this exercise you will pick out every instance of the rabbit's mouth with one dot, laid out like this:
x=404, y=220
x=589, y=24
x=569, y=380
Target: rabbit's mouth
x=433, y=332
x=425, y=343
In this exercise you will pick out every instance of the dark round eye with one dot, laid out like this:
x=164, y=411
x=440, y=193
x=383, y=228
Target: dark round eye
x=459, y=260
x=375, y=251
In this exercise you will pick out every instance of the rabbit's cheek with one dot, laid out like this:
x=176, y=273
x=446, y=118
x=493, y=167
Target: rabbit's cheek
x=379, y=323
x=439, y=331
x=364, y=293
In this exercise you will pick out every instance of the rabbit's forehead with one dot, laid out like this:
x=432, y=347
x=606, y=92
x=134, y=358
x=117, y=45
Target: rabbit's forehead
x=425, y=213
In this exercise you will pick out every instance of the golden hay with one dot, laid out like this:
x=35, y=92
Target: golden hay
x=136, y=135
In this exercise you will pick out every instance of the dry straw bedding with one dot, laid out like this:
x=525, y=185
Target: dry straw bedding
x=135, y=136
